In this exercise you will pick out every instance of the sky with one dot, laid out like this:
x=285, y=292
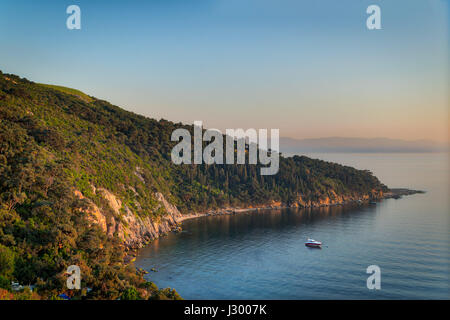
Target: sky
x=309, y=68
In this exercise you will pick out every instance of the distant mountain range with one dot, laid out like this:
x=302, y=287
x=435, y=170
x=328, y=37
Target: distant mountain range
x=359, y=145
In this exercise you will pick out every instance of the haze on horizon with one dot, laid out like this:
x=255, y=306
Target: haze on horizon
x=312, y=70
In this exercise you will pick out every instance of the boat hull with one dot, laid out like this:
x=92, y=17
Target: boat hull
x=313, y=245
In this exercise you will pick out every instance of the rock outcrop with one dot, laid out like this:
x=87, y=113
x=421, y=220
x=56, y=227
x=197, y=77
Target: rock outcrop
x=135, y=231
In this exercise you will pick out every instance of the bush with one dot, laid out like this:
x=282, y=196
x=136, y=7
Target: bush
x=6, y=261
x=166, y=294
x=5, y=283
x=130, y=294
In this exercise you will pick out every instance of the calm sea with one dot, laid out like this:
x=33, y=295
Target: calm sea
x=263, y=256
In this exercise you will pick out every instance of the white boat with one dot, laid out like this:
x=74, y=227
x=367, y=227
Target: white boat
x=312, y=243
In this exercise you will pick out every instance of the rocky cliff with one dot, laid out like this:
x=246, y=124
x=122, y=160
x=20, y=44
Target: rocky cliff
x=134, y=230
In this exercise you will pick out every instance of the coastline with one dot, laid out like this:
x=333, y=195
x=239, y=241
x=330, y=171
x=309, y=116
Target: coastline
x=176, y=226
x=227, y=211
x=394, y=193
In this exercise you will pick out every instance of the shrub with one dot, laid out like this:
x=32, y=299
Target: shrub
x=6, y=261
x=130, y=294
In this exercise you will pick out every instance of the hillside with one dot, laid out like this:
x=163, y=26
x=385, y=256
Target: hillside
x=70, y=91
x=82, y=181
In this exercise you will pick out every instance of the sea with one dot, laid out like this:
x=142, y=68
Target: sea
x=262, y=255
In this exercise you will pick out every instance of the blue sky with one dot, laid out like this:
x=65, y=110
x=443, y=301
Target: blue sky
x=310, y=68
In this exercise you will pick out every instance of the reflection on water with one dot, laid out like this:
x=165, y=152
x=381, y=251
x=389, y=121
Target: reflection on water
x=262, y=255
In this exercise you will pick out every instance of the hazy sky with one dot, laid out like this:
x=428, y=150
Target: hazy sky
x=309, y=68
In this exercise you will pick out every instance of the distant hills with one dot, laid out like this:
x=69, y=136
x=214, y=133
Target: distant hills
x=359, y=145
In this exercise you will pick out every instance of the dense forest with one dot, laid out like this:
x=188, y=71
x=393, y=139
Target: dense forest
x=54, y=140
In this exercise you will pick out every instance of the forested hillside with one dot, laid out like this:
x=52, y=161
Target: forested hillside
x=59, y=148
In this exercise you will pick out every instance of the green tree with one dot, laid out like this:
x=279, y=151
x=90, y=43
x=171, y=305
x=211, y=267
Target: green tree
x=130, y=294
x=6, y=261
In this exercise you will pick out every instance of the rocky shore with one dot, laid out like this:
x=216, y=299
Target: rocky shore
x=396, y=193
x=136, y=232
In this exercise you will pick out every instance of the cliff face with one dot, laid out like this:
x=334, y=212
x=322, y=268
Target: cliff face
x=333, y=199
x=135, y=231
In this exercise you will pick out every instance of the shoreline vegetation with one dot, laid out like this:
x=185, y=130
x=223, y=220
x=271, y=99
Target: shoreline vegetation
x=84, y=182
